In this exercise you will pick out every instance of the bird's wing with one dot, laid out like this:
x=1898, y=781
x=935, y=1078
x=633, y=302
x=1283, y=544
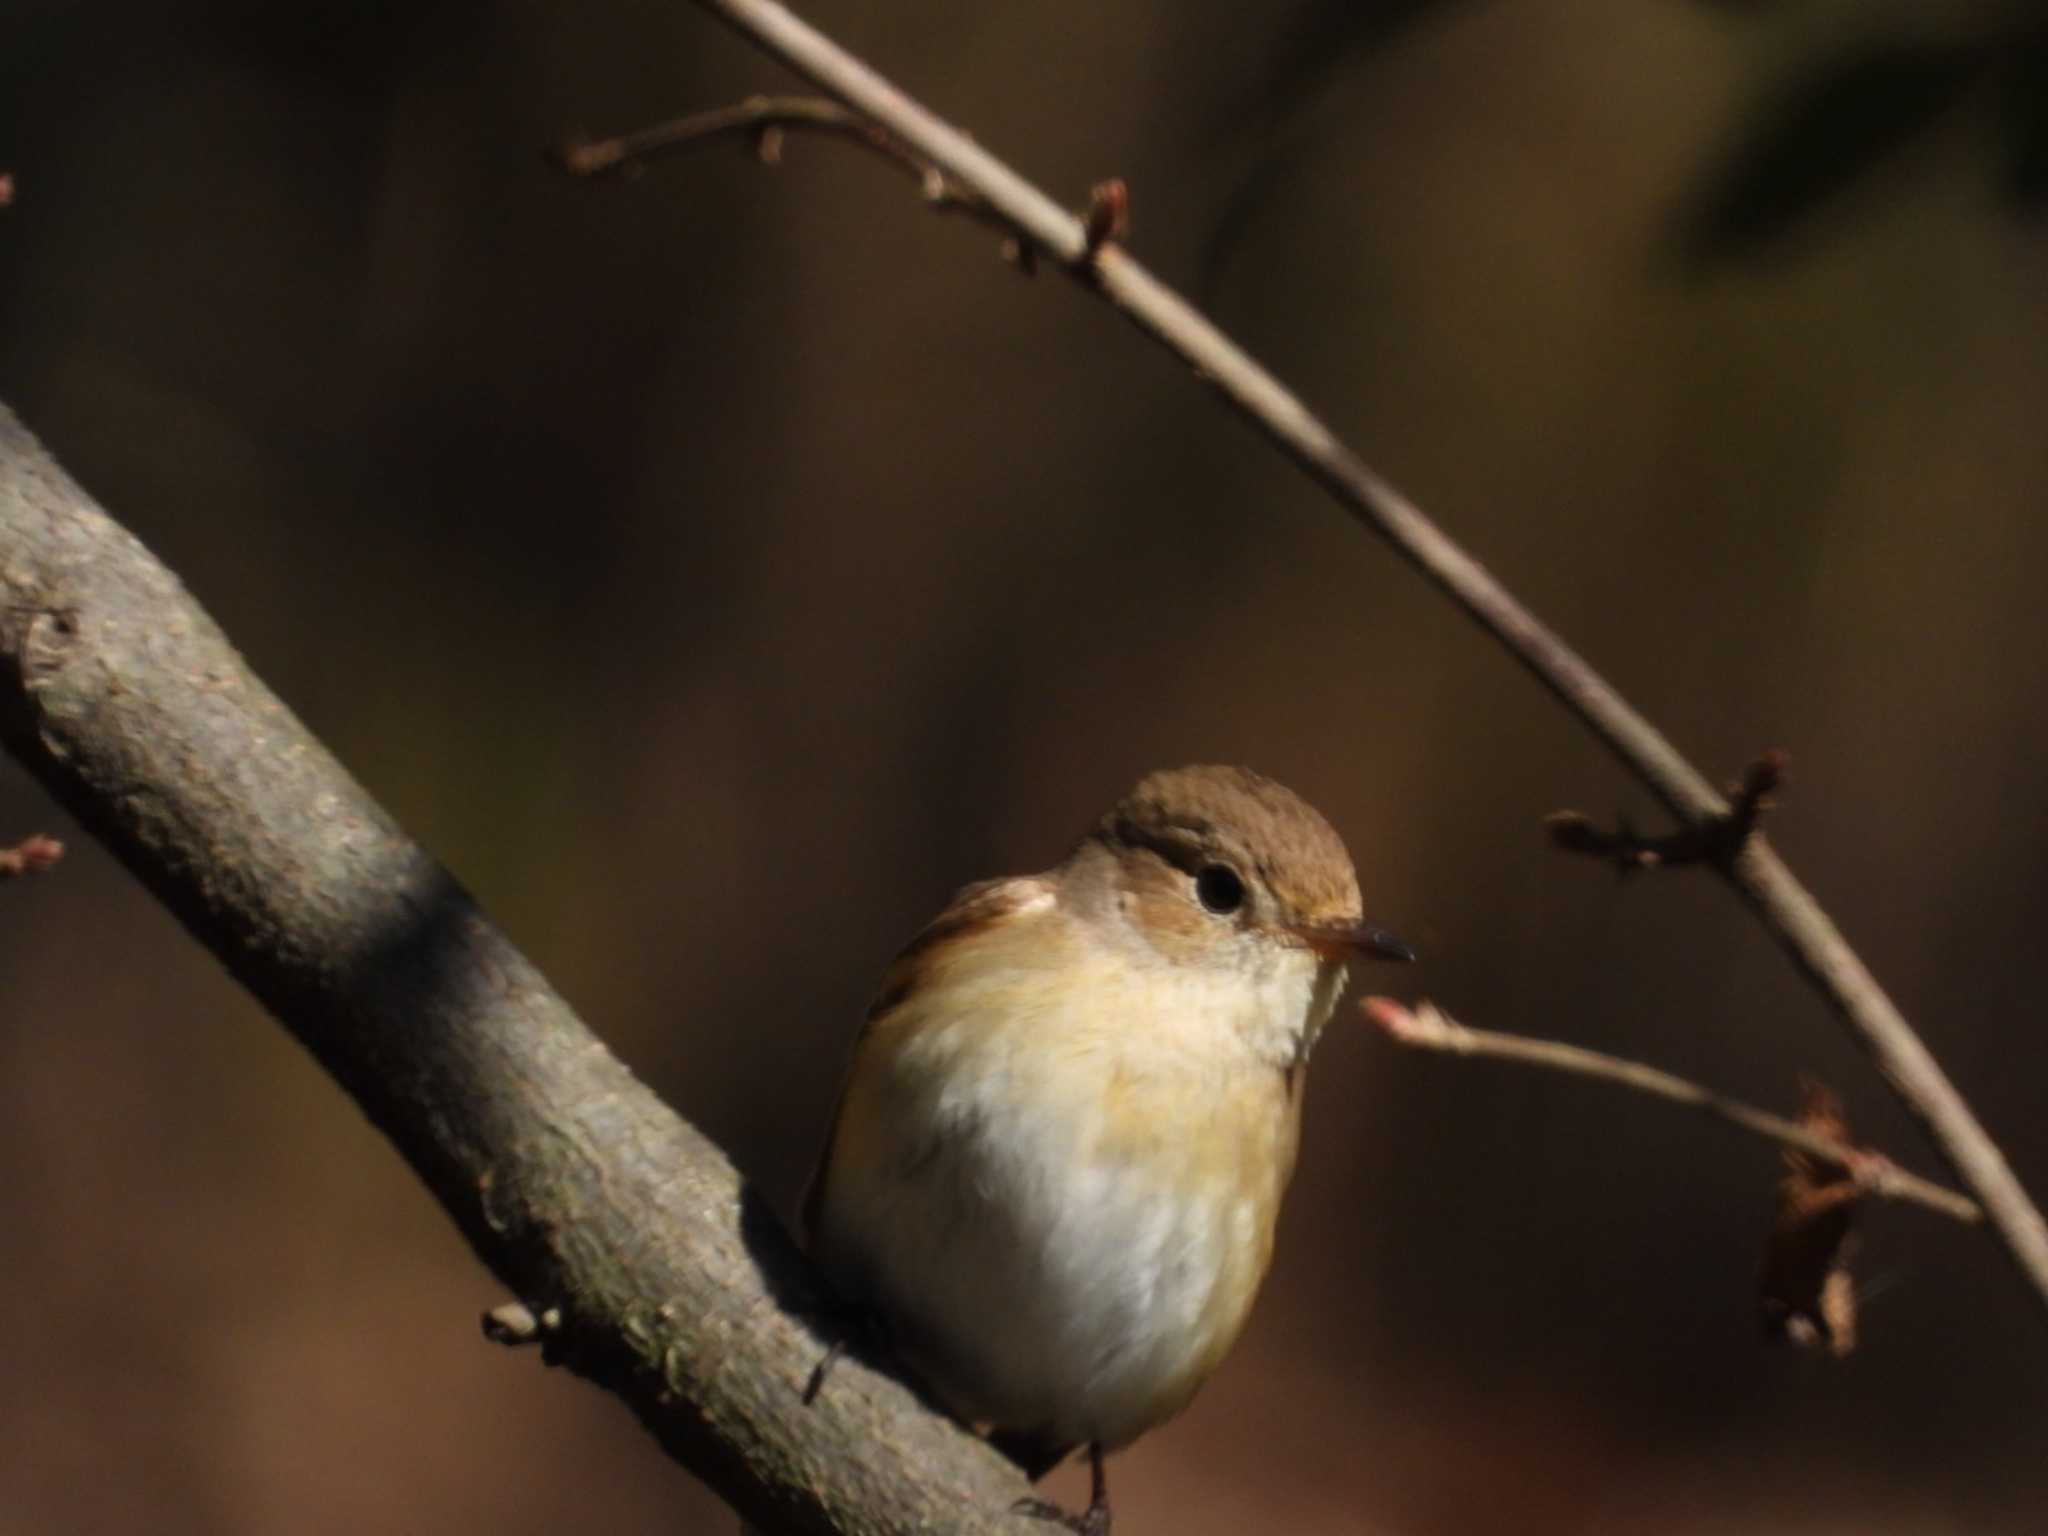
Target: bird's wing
x=972, y=907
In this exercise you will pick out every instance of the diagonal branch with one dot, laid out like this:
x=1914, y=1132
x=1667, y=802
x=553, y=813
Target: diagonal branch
x=1429, y=1028
x=1783, y=905
x=662, y=1275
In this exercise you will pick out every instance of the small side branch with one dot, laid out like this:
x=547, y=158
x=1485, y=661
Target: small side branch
x=1711, y=840
x=764, y=121
x=31, y=856
x=1429, y=1027
x=514, y=1323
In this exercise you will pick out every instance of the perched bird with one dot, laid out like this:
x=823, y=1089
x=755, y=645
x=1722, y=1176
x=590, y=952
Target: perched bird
x=1059, y=1154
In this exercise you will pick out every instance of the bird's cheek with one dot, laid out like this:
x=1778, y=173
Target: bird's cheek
x=1172, y=927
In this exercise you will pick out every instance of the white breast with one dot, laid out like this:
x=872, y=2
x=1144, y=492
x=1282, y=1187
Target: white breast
x=1061, y=1196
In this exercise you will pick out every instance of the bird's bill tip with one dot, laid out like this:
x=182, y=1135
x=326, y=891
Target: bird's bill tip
x=1353, y=941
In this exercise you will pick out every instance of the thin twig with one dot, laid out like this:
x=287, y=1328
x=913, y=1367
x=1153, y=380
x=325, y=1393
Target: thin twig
x=31, y=856
x=1816, y=947
x=763, y=120
x=1430, y=1028
x=752, y=118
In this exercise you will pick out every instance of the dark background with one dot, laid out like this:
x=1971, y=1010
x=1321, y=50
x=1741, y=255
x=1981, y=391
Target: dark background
x=717, y=568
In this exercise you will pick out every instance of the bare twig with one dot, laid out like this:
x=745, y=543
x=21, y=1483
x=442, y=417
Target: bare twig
x=1430, y=1028
x=31, y=856
x=764, y=120
x=1792, y=916
x=1715, y=840
x=753, y=118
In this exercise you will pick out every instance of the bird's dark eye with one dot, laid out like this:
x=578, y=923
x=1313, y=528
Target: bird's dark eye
x=1218, y=888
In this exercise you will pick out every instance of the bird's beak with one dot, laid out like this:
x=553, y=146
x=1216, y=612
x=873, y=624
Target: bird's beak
x=1339, y=942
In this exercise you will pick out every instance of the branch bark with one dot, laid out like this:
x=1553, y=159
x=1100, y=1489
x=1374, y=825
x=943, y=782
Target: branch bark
x=1794, y=919
x=666, y=1278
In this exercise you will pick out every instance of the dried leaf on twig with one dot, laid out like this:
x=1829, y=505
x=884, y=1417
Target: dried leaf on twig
x=1808, y=1296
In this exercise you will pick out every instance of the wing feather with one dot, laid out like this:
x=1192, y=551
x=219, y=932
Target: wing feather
x=973, y=908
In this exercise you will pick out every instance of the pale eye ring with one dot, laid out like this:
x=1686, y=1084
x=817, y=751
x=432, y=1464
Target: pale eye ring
x=1218, y=888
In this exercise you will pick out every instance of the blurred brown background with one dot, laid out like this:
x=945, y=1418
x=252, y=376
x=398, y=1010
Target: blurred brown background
x=717, y=568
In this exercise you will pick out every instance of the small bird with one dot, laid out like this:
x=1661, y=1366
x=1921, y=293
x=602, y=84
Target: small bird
x=1059, y=1154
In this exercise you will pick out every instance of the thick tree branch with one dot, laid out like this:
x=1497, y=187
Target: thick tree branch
x=668, y=1280
x=1792, y=916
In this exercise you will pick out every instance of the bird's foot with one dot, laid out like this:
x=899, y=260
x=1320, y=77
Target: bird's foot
x=1092, y=1521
